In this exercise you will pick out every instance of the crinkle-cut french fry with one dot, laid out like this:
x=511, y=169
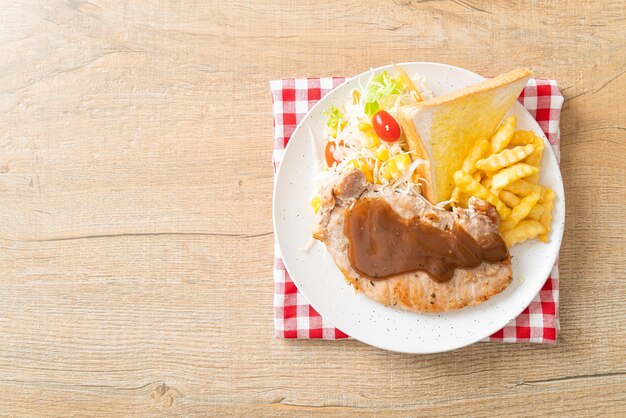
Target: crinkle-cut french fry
x=510, y=199
x=477, y=176
x=524, y=188
x=456, y=195
x=526, y=137
x=477, y=152
x=524, y=230
x=538, y=142
x=536, y=212
x=511, y=174
x=464, y=199
x=520, y=211
x=522, y=138
x=546, y=216
x=460, y=196
x=535, y=157
x=503, y=134
x=533, y=178
x=474, y=188
x=505, y=158
x=486, y=182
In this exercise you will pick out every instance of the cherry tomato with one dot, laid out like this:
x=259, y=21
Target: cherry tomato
x=329, y=152
x=386, y=126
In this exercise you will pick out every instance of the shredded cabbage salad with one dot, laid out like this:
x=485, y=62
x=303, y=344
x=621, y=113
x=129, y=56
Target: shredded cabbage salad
x=351, y=140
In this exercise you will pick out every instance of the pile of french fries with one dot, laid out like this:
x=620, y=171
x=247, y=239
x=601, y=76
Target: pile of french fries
x=504, y=171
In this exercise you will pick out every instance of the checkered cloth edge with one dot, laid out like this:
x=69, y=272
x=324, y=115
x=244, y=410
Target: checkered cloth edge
x=295, y=318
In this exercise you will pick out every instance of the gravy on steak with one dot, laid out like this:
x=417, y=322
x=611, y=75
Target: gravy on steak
x=383, y=244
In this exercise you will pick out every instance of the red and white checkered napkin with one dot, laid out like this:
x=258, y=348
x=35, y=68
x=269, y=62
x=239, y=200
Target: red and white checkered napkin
x=295, y=318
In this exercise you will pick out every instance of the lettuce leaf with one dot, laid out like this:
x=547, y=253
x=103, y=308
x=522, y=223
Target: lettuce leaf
x=334, y=116
x=381, y=87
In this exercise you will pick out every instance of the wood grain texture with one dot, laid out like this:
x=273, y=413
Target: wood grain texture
x=135, y=208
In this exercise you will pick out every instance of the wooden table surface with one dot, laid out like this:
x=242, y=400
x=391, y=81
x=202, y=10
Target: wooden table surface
x=135, y=208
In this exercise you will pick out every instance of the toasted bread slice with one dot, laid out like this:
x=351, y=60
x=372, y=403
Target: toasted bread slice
x=444, y=129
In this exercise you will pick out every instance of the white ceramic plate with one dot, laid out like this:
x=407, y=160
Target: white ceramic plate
x=321, y=282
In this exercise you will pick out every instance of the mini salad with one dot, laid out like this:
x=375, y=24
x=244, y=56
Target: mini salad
x=364, y=134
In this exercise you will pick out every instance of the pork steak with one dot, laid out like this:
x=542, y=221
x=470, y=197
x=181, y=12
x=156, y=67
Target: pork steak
x=415, y=291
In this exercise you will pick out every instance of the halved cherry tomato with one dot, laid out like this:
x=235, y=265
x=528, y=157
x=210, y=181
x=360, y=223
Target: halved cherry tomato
x=386, y=126
x=329, y=152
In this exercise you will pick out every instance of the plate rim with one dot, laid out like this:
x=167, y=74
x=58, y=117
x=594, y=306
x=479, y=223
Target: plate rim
x=553, y=257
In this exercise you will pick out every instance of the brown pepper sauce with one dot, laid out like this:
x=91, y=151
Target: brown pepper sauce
x=383, y=244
